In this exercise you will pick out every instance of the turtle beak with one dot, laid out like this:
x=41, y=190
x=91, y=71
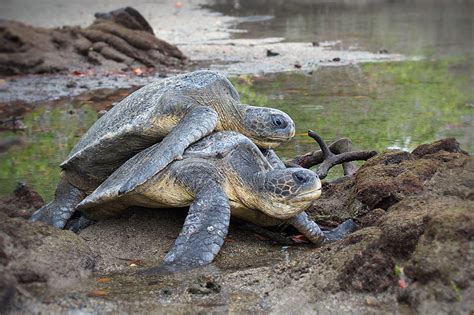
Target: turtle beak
x=292, y=130
x=308, y=196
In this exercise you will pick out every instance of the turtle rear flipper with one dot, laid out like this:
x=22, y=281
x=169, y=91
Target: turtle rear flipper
x=58, y=212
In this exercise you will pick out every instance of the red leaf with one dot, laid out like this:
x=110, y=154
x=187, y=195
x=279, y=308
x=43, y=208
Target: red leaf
x=78, y=73
x=402, y=284
x=228, y=240
x=300, y=238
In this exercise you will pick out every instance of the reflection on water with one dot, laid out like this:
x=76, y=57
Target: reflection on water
x=50, y=135
x=409, y=27
x=376, y=105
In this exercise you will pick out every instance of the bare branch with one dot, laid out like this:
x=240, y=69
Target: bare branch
x=324, y=168
x=316, y=157
x=327, y=157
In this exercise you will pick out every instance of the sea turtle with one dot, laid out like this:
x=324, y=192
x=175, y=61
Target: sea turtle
x=165, y=117
x=224, y=173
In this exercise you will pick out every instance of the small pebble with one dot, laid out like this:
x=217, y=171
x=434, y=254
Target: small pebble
x=271, y=53
x=71, y=84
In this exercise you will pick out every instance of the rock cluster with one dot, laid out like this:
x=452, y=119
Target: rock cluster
x=416, y=210
x=114, y=41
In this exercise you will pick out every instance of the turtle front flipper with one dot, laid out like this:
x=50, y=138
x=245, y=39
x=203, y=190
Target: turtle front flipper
x=197, y=123
x=204, y=229
x=58, y=212
x=303, y=223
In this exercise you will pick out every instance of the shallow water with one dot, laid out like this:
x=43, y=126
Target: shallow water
x=376, y=105
x=420, y=27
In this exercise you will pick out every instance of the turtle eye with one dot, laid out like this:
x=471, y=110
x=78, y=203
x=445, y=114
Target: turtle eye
x=300, y=177
x=278, y=121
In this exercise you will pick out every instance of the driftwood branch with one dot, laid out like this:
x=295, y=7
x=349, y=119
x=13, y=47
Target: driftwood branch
x=338, y=152
x=317, y=157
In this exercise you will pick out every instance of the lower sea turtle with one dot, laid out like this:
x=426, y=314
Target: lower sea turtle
x=224, y=173
x=164, y=117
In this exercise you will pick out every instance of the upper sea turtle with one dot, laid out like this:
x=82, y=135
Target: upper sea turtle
x=164, y=117
x=222, y=174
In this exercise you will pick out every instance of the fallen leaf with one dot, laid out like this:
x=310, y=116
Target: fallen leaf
x=300, y=239
x=228, y=240
x=104, y=280
x=78, y=73
x=97, y=293
x=402, y=284
x=136, y=262
x=137, y=71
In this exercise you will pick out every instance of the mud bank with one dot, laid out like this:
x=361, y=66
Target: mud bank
x=413, y=252
x=116, y=40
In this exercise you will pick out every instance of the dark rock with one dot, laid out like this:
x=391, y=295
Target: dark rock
x=271, y=53
x=71, y=84
x=415, y=210
x=127, y=17
x=23, y=202
x=448, y=145
x=8, y=285
x=36, y=253
x=388, y=177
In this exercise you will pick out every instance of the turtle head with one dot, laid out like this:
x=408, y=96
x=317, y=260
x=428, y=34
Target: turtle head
x=267, y=127
x=288, y=192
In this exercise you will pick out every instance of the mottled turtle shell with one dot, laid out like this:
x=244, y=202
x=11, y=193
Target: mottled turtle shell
x=140, y=120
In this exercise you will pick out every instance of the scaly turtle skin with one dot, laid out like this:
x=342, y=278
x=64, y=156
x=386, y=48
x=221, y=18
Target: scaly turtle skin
x=224, y=173
x=164, y=117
